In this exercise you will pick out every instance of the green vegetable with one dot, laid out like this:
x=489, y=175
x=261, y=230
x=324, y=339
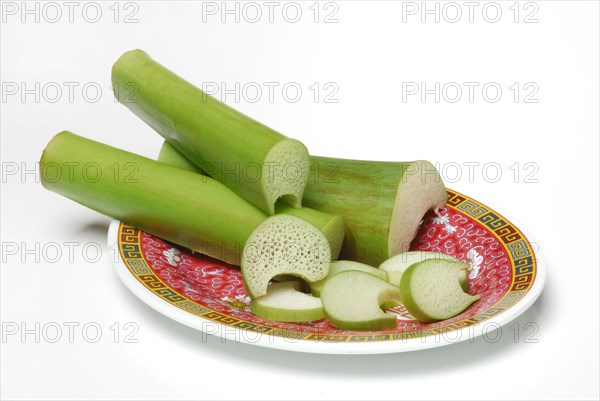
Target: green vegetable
x=339, y=266
x=331, y=225
x=285, y=303
x=382, y=203
x=431, y=290
x=395, y=265
x=186, y=208
x=352, y=301
x=258, y=163
x=171, y=156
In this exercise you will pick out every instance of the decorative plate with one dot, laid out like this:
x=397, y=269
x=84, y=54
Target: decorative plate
x=208, y=295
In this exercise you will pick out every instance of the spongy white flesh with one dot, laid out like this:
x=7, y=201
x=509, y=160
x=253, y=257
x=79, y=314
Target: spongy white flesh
x=284, y=302
x=285, y=172
x=284, y=244
x=420, y=189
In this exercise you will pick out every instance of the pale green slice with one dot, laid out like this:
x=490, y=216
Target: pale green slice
x=430, y=290
x=395, y=265
x=352, y=301
x=390, y=304
x=395, y=277
x=285, y=303
x=339, y=266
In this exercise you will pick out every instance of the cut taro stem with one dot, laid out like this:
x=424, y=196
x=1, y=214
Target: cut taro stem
x=180, y=206
x=382, y=203
x=255, y=161
x=331, y=225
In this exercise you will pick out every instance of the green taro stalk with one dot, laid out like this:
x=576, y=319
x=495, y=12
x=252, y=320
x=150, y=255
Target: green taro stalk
x=258, y=163
x=382, y=203
x=186, y=208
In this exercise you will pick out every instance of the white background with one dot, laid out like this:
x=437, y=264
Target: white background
x=369, y=53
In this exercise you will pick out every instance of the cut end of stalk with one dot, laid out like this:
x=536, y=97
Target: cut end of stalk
x=284, y=244
x=420, y=190
x=41, y=165
x=285, y=173
x=131, y=56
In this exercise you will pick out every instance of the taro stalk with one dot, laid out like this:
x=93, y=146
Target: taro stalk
x=258, y=163
x=382, y=203
x=180, y=206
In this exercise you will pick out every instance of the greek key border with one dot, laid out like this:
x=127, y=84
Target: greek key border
x=516, y=245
